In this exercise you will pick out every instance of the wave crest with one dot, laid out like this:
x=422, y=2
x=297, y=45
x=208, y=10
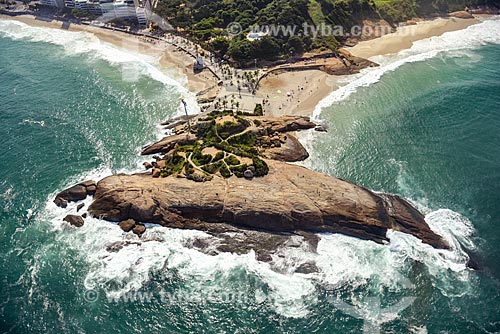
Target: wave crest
x=472, y=37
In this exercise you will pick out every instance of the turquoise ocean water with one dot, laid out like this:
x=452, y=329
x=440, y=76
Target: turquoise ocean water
x=424, y=125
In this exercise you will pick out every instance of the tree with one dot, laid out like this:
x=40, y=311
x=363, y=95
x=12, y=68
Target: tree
x=241, y=49
x=295, y=45
x=267, y=48
x=220, y=45
x=258, y=111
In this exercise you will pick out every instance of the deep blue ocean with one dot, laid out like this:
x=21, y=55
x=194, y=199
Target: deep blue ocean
x=424, y=125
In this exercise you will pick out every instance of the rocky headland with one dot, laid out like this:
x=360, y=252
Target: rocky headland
x=228, y=174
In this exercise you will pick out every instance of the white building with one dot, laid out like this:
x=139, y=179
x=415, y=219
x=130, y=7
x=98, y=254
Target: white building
x=109, y=10
x=199, y=63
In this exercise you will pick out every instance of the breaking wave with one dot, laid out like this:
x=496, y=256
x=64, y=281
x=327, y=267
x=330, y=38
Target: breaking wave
x=472, y=37
x=85, y=43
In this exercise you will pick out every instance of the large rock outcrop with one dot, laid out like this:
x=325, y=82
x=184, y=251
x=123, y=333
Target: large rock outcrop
x=229, y=178
x=289, y=199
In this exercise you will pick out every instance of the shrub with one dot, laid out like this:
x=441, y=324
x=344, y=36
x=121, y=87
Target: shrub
x=232, y=160
x=239, y=170
x=189, y=169
x=198, y=177
x=220, y=45
x=212, y=168
x=248, y=139
x=225, y=172
x=229, y=128
x=261, y=168
x=174, y=164
x=199, y=158
x=219, y=156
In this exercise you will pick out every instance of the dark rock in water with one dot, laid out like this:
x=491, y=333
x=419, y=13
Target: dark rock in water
x=312, y=240
x=472, y=264
x=76, y=193
x=321, y=128
x=87, y=184
x=62, y=203
x=73, y=194
x=79, y=207
x=147, y=165
x=74, y=220
x=127, y=225
x=119, y=245
x=201, y=244
x=264, y=257
x=91, y=190
x=474, y=259
x=139, y=230
x=307, y=268
x=84, y=215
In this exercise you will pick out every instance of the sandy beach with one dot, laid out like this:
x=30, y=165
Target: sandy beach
x=405, y=36
x=286, y=93
x=317, y=85
x=295, y=93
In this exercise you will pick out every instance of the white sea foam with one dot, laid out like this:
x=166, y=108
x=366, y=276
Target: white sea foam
x=162, y=250
x=88, y=45
x=32, y=122
x=342, y=260
x=486, y=32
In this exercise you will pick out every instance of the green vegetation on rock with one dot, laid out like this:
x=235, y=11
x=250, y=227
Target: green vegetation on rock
x=232, y=160
x=226, y=136
x=261, y=167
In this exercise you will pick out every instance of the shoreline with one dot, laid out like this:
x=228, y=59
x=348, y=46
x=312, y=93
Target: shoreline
x=294, y=93
x=405, y=36
x=169, y=57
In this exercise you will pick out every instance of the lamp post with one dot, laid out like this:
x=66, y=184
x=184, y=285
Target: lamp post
x=187, y=116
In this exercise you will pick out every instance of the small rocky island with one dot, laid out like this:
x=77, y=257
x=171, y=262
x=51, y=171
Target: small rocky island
x=228, y=174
